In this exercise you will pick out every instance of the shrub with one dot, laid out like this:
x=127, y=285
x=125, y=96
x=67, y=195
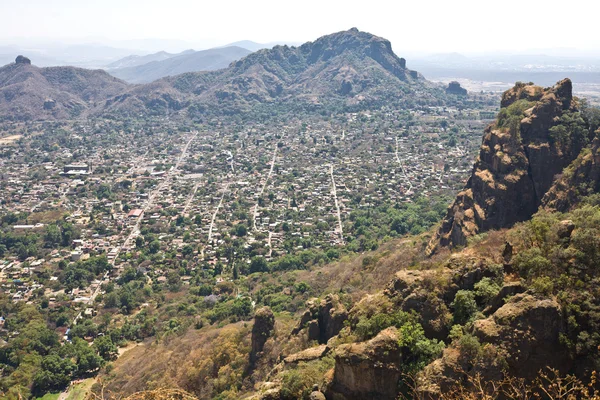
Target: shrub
x=543, y=285
x=486, y=290
x=464, y=306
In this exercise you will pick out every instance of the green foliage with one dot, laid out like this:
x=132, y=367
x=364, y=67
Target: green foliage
x=464, y=306
x=54, y=375
x=367, y=328
x=299, y=380
x=419, y=350
x=543, y=285
x=486, y=289
x=106, y=348
x=571, y=131
x=511, y=116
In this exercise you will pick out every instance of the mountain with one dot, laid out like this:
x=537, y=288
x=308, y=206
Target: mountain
x=539, y=132
x=30, y=92
x=349, y=68
x=161, y=65
x=135, y=60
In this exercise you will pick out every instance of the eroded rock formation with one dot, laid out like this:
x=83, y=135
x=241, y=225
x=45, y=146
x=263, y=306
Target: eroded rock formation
x=517, y=164
x=264, y=323
x=369, y=370
x=455, y=88
x=323, y=320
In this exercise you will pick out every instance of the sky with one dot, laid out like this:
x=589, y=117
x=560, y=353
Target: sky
x=426, y=26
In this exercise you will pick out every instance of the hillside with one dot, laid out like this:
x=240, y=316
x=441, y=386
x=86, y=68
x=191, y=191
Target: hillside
x=150, y=68
x=507, y=315
x=350, y=69
x=29, y=92
x=539, y=132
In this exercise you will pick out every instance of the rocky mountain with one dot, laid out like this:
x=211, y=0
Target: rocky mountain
x=539, y=132
x=150, y=68
x=29, y=92
x=349, y=68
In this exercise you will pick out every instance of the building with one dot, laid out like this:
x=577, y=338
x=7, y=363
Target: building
x=76, y=169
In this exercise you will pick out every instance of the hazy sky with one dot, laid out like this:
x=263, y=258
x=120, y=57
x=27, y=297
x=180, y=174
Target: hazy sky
x=415, y=25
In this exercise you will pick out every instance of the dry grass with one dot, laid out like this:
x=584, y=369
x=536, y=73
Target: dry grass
x=8, y=140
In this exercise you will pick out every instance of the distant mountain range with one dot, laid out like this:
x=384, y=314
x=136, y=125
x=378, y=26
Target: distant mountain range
x=144, y=69
x=350, y=68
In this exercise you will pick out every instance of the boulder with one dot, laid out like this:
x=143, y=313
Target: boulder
x=22, y=60
x=311, y=354
x=527, y=329
x=509, y=289
x=565, y=228
x=368, y=370
x=323, y=320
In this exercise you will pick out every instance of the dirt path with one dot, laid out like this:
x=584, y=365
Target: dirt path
x=337, y=206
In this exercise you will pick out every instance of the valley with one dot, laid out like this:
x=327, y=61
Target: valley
x=312, y=222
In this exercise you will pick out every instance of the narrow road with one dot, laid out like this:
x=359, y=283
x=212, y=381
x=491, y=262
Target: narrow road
x=335, y=199
x=190, y=199
x=402, y=169
x=262, y=190
x=214, y=216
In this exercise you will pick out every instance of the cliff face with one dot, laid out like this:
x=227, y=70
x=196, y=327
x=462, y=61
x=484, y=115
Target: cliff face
x=521, y=154
x=580, y=179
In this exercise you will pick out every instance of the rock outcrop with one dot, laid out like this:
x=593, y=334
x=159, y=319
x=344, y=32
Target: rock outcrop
x=455, y=88
x=580, y=179
x=22, y=60
x=323, y=320
x=517, y=164
x=521, y=338
x=527, y=330
x=368, y=370
x=264, y=324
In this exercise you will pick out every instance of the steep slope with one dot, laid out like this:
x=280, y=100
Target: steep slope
x=28, y=92
x=347, y=70
x=206, y=60
x=538, y=133
x=350, y=68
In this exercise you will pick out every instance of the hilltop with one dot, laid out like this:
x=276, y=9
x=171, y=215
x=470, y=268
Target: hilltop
x=345, y=70
x=29, y=92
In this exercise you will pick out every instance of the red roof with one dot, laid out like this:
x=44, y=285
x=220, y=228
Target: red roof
x=135, y=213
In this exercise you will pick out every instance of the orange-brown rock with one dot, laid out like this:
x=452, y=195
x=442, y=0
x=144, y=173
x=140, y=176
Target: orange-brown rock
x=514, y=169
x=368, y=370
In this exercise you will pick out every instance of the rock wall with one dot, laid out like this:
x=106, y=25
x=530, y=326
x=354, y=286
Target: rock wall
x=264, y=323
x=368, y=370
x=514, y=169
x=580, y=179
x=322, y=320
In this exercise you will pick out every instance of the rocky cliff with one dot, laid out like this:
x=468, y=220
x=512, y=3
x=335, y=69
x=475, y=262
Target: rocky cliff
x=580, y=179
x=538, y=133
